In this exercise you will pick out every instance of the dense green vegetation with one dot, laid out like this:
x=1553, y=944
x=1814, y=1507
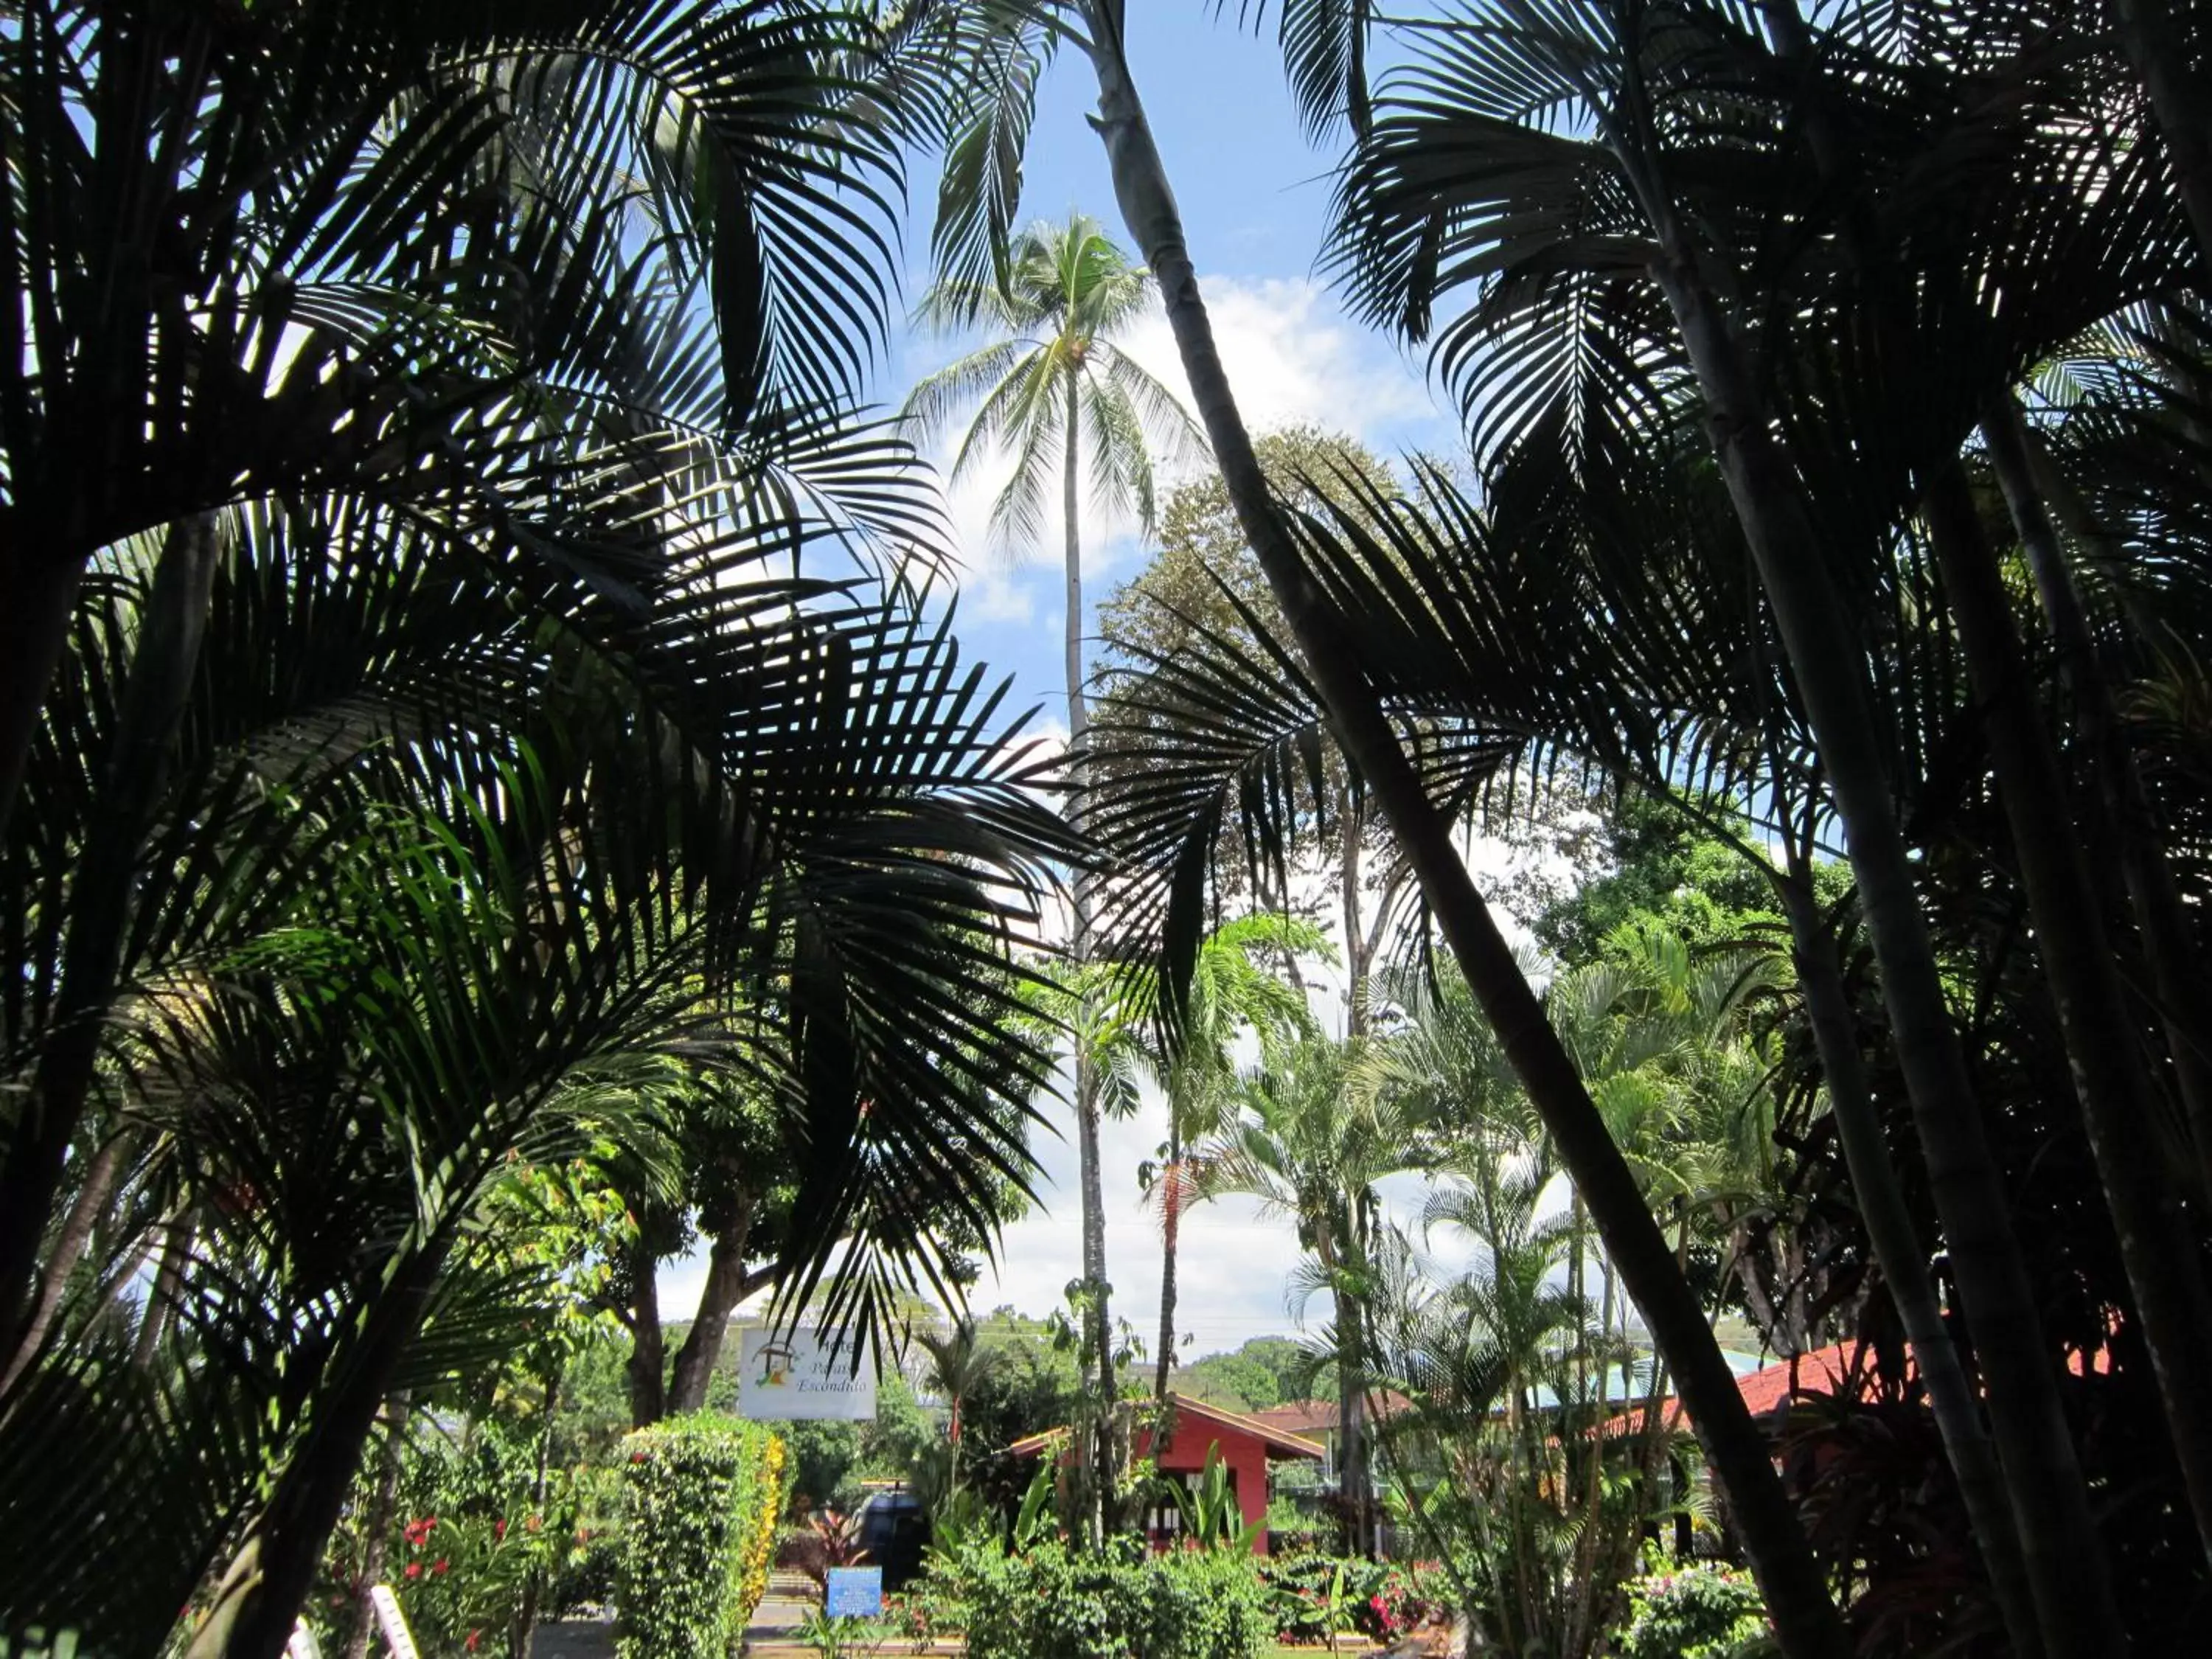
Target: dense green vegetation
x=491, y=802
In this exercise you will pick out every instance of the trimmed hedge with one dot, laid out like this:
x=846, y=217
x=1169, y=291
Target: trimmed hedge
x=1186, y=1605
x=701, y=1497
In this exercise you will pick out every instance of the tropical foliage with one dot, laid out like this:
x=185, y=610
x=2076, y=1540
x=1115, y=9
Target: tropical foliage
x=480, y=727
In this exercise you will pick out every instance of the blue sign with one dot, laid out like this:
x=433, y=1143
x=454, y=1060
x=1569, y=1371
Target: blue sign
x=854, y=1592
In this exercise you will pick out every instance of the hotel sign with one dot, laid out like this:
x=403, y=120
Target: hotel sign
x=790, y=1376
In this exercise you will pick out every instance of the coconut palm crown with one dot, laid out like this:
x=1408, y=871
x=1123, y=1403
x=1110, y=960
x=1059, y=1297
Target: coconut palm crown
x=1055, y=390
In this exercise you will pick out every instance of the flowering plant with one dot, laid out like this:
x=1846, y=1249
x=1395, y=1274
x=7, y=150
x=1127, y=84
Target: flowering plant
x=461, y=1579
x=1689, y=1610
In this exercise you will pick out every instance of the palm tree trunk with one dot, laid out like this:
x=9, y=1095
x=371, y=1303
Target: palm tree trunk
x=1354, y=1482
x=176, y=1250
x=2125, y=823
x=268, y=1580
x=1098, y=1332
x=92, y=1202
x=1796, y=1595
x=2148, y=35
x=2073, y=1599
x=376, y=1529
x=34, y=626
x=1355, y=934
x=2157, y=1243
x=133, y=781
x=1171, y=1232
x=1902, y=1258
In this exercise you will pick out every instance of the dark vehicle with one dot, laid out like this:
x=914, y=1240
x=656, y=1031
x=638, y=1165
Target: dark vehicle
x=894, y=1531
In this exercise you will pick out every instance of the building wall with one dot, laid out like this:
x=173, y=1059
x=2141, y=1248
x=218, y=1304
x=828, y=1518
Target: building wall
x=1246, y=1457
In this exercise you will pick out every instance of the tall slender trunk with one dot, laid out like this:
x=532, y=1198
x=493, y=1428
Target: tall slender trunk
x=727, y=1284
x=1171, y=1200
x=2065, y=1564
x=2124, y=824
x=1097, y=1328
x=168, y=1279
x=1902, y=1259
x=269, y=1578
x=2036, y=1453
x=2179, y=107
x=2156, y=1244
x=376, y=1527
x=91, y=1203
x=534, y=1594
x=35, y=626
x=1796, y=1594
x=1355, y=932
x=647, y=1368
x=1354, y=1482
x=133, y=778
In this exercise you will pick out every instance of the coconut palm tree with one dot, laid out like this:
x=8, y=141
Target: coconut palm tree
x=1075, y=410
x=984, y=133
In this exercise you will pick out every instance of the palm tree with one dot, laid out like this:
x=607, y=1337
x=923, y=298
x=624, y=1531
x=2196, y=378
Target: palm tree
x=469, y=350
x=1310, y=1150
x=1233, y=989
x=1593, y=624
x=1069, y=403
x=407, y=346
x=413, y=760
x=984, y=130
x=959, y=1365
x=333, y=1163
x=2087, y=252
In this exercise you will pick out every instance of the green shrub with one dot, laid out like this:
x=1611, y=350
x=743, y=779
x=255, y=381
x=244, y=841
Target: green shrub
x=587, y=1578
x=701, y=1497
x=1122, y=1604
x=1383, y=1600
x=1701, y=1610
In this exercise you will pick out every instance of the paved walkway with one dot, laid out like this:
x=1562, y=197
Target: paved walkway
x=772, y=1633
x=573, y=1638
x=774, y=1629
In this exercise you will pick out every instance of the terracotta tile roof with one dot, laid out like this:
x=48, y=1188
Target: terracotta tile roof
x=1319, y=1416
x=1278, y=1441
x=1768, y=1390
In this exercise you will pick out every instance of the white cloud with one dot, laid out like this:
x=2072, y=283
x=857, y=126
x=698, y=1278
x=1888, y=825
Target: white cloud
x=1292, y=357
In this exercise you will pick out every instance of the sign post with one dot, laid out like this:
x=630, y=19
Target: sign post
x=854, y=1593
x=794, y=1376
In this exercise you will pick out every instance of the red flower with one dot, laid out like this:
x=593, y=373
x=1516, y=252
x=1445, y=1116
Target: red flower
x=441, y=1567
x=499, y=1529
x=475, y=1641
x=414, y=1569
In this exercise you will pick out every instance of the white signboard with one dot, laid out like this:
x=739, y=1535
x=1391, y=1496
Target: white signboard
x=797, y=1375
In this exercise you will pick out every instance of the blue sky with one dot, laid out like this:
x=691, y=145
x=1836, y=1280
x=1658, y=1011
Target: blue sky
x=1255, y=199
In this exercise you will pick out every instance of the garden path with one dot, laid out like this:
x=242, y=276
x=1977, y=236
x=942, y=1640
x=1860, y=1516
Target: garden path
x=772, y=1633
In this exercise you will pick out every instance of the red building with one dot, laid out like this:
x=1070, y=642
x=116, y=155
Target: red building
x=1247, y=1446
